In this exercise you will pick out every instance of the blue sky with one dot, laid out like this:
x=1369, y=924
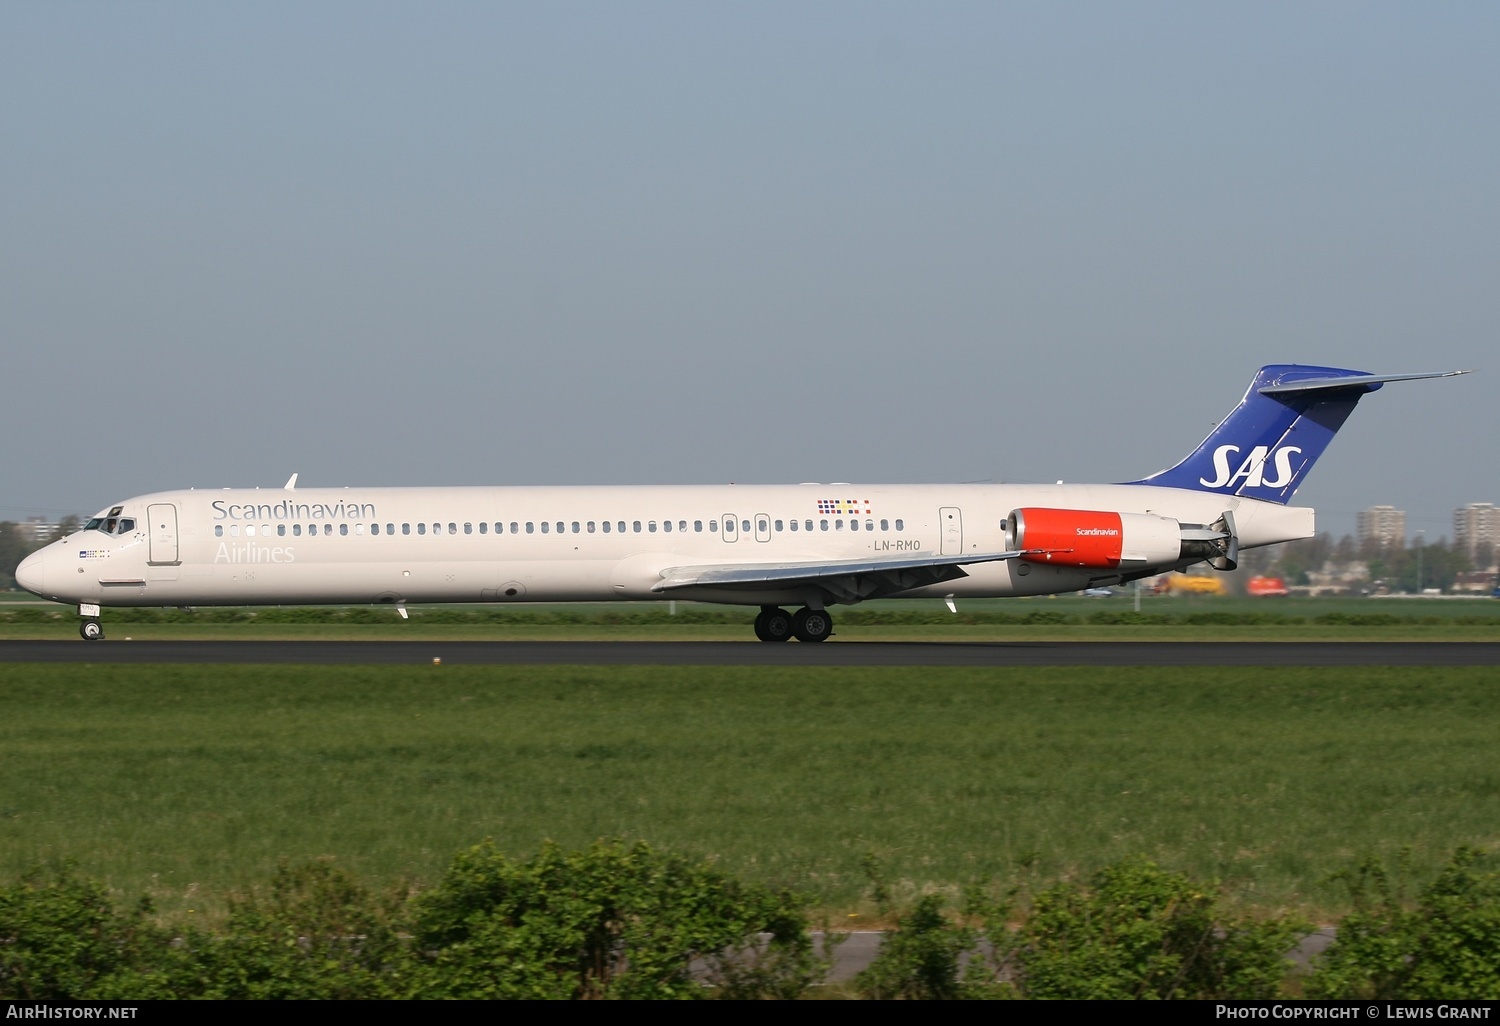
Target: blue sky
x=580, y=243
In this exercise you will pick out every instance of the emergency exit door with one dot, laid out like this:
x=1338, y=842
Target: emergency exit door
x=951, y=530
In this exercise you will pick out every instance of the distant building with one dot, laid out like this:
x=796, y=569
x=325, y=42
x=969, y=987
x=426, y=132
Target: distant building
x=1475, y=582
x=37, y=531
x=1474, y=525
x=1385, y=525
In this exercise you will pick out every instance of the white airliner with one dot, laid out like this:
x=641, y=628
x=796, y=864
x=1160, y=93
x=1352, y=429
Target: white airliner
x=807, y=546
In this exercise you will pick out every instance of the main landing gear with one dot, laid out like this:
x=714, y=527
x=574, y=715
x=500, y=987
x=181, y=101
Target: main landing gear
x=773, y=624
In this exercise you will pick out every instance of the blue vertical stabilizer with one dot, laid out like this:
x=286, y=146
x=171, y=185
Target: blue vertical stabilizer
x=1266, y=446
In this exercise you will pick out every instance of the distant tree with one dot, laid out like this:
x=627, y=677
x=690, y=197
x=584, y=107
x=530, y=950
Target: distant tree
x=1296, y=558
x=1430, y=565
x=69, y=525
x=1484, y=556
x=13, y=549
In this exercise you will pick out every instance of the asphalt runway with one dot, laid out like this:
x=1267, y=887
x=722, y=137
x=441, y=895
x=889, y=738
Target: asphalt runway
x=734, y=653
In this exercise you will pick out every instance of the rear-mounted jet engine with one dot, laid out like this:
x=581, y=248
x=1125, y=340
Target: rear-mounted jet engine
x=1104, y=540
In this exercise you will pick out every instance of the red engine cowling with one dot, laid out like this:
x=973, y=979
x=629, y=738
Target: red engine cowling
x=1096, y=539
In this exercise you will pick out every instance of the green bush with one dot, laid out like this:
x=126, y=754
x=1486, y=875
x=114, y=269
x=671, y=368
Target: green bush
x=613, y=921
x=922, y=958
x=62, y=937
x=316, y=935
x=1445, y=947
x=1137, y=931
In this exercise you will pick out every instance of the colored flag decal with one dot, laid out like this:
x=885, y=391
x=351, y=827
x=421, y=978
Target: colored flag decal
x=840, y=507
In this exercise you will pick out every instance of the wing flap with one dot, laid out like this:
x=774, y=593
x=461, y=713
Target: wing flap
x=846, y=580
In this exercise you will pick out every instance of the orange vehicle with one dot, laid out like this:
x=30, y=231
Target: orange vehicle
x=1185, y=584
x=1266, y=587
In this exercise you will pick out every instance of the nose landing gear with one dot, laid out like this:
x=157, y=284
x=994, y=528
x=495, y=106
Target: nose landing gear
x=91, y=630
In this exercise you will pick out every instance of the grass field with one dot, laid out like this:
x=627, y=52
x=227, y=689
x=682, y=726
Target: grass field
x=1063, y=618
x=183, y=782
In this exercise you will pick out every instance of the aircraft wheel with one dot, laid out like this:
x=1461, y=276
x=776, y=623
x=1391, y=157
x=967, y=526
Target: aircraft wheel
x=812, y=625
x=91, y=630
x=760, y=625
x=773, y=625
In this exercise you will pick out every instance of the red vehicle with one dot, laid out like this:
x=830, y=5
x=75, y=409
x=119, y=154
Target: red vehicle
x=1266, y=587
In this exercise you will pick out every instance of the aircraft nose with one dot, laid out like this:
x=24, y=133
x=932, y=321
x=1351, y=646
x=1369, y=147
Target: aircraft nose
x=32, y=573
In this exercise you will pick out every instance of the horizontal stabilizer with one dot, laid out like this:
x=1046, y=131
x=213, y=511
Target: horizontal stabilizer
x=1360, y=381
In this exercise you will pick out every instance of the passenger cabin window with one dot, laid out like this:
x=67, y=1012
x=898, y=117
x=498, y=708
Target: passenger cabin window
x=343, y=529
x=651, y=527
x=606, y=527
x=620, y=527
x=421, y=528
x=218, y=530
x=667, y=526
x=531, y=527
x=468, y=529
x=390, y=528
x=900, y=526
x=698, y=526
x=545, y=526
x=406, y=529
x=591, y=527
x=484, y=528
x=637, y=525
x=281, y=530
x=885, y=525
x=575, y=527
x=713, y=527
x=794, y=525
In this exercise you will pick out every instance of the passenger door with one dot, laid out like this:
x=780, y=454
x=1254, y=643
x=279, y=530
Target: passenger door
x=161, y=525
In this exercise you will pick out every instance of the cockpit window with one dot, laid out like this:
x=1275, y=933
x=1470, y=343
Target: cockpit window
x=116, y=511
x=127, y=524
x=110, y=525
x=94, y=524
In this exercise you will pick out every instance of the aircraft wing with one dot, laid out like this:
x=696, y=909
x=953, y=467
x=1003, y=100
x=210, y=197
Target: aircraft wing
x=849, y=580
